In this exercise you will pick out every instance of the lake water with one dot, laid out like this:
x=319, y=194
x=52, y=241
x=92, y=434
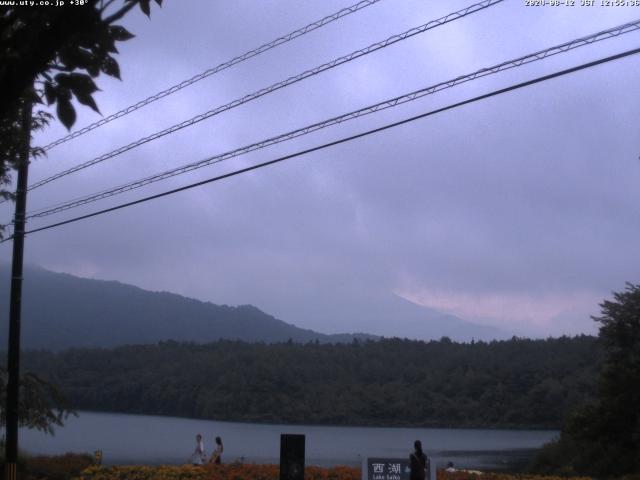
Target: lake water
x=144, y=439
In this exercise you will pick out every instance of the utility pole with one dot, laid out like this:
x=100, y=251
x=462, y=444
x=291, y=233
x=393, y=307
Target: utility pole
x=13, y=363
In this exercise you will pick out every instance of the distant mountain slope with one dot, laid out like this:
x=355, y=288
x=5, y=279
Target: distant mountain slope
x=386, y=314
x=61, y=311
x=423, y=323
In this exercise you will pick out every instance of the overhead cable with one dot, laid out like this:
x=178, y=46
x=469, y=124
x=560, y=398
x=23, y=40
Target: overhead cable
x=223, y=66
x=343, y=140
x=276, y=86
x=523, y=60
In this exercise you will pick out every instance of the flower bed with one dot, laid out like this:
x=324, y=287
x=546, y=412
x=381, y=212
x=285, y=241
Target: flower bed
x=464, y=475
x=213, y=472
x=265, y=472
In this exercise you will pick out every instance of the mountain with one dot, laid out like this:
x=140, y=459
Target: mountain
x=424, y=323
x=61, y=311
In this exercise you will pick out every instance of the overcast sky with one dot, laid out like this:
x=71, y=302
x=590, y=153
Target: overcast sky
x=520, y=211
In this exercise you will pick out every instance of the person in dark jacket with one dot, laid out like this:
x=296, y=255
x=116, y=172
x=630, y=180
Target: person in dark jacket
x=418, y=462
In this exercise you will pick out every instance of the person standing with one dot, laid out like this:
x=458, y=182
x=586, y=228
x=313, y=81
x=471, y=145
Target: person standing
x=216, y=456
x=418, y=462
x=198, y=457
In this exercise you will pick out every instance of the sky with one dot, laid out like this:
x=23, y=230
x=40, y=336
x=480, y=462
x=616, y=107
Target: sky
x=518, y=212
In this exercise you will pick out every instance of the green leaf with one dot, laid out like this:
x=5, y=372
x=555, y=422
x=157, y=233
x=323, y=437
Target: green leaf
x=66, y=112
x=50, y=93
x=87, y=99
x=145, y=7
x=82, y=87
x=93, y=69
x=110, y=67
x=76, y=57
x=120, y=34
x=77, y=82
x=109, y=44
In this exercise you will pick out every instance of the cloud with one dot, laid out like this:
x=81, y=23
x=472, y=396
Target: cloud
x=538, y=315
x=518, y=211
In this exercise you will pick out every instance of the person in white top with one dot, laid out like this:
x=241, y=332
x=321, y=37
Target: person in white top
x=198, y=457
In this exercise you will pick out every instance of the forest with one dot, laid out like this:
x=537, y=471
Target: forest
x=518, y=383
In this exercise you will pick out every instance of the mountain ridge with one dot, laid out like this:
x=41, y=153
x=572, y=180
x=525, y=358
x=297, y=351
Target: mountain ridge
x=61, y=311
x=56, y=307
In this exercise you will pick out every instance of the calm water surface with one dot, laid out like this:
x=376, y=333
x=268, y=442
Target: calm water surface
x=144, y=439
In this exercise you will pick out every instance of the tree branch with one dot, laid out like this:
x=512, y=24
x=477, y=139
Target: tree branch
x=120, y=13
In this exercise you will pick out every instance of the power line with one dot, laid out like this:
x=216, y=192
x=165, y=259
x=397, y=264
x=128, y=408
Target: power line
x=277, y=86
x=223, y=66
x=523, y=60
x=345, y=139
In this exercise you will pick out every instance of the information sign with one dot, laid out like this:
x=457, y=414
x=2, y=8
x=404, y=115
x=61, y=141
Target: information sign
x=392, y=469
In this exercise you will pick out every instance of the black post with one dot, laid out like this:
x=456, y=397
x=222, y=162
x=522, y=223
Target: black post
x=13, y=363
x=292, y=457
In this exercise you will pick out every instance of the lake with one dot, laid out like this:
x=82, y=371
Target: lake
x=145, y=439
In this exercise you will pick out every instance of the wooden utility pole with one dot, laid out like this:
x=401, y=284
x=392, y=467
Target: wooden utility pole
x=13, y=363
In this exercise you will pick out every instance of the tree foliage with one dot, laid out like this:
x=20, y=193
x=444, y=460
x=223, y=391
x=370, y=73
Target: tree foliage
x=42, y=405
x=50, y=56
x=516, y=383
x=603, y=438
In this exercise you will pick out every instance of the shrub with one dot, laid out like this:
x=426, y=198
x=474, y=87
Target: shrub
x=59, y=467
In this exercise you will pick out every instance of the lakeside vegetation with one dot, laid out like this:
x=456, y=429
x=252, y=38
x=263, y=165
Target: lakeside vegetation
x=602, y=437
x=268, y=472
x=80, y=467
x=516, y=383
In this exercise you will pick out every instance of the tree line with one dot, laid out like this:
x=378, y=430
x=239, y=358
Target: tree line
x=516, y=383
